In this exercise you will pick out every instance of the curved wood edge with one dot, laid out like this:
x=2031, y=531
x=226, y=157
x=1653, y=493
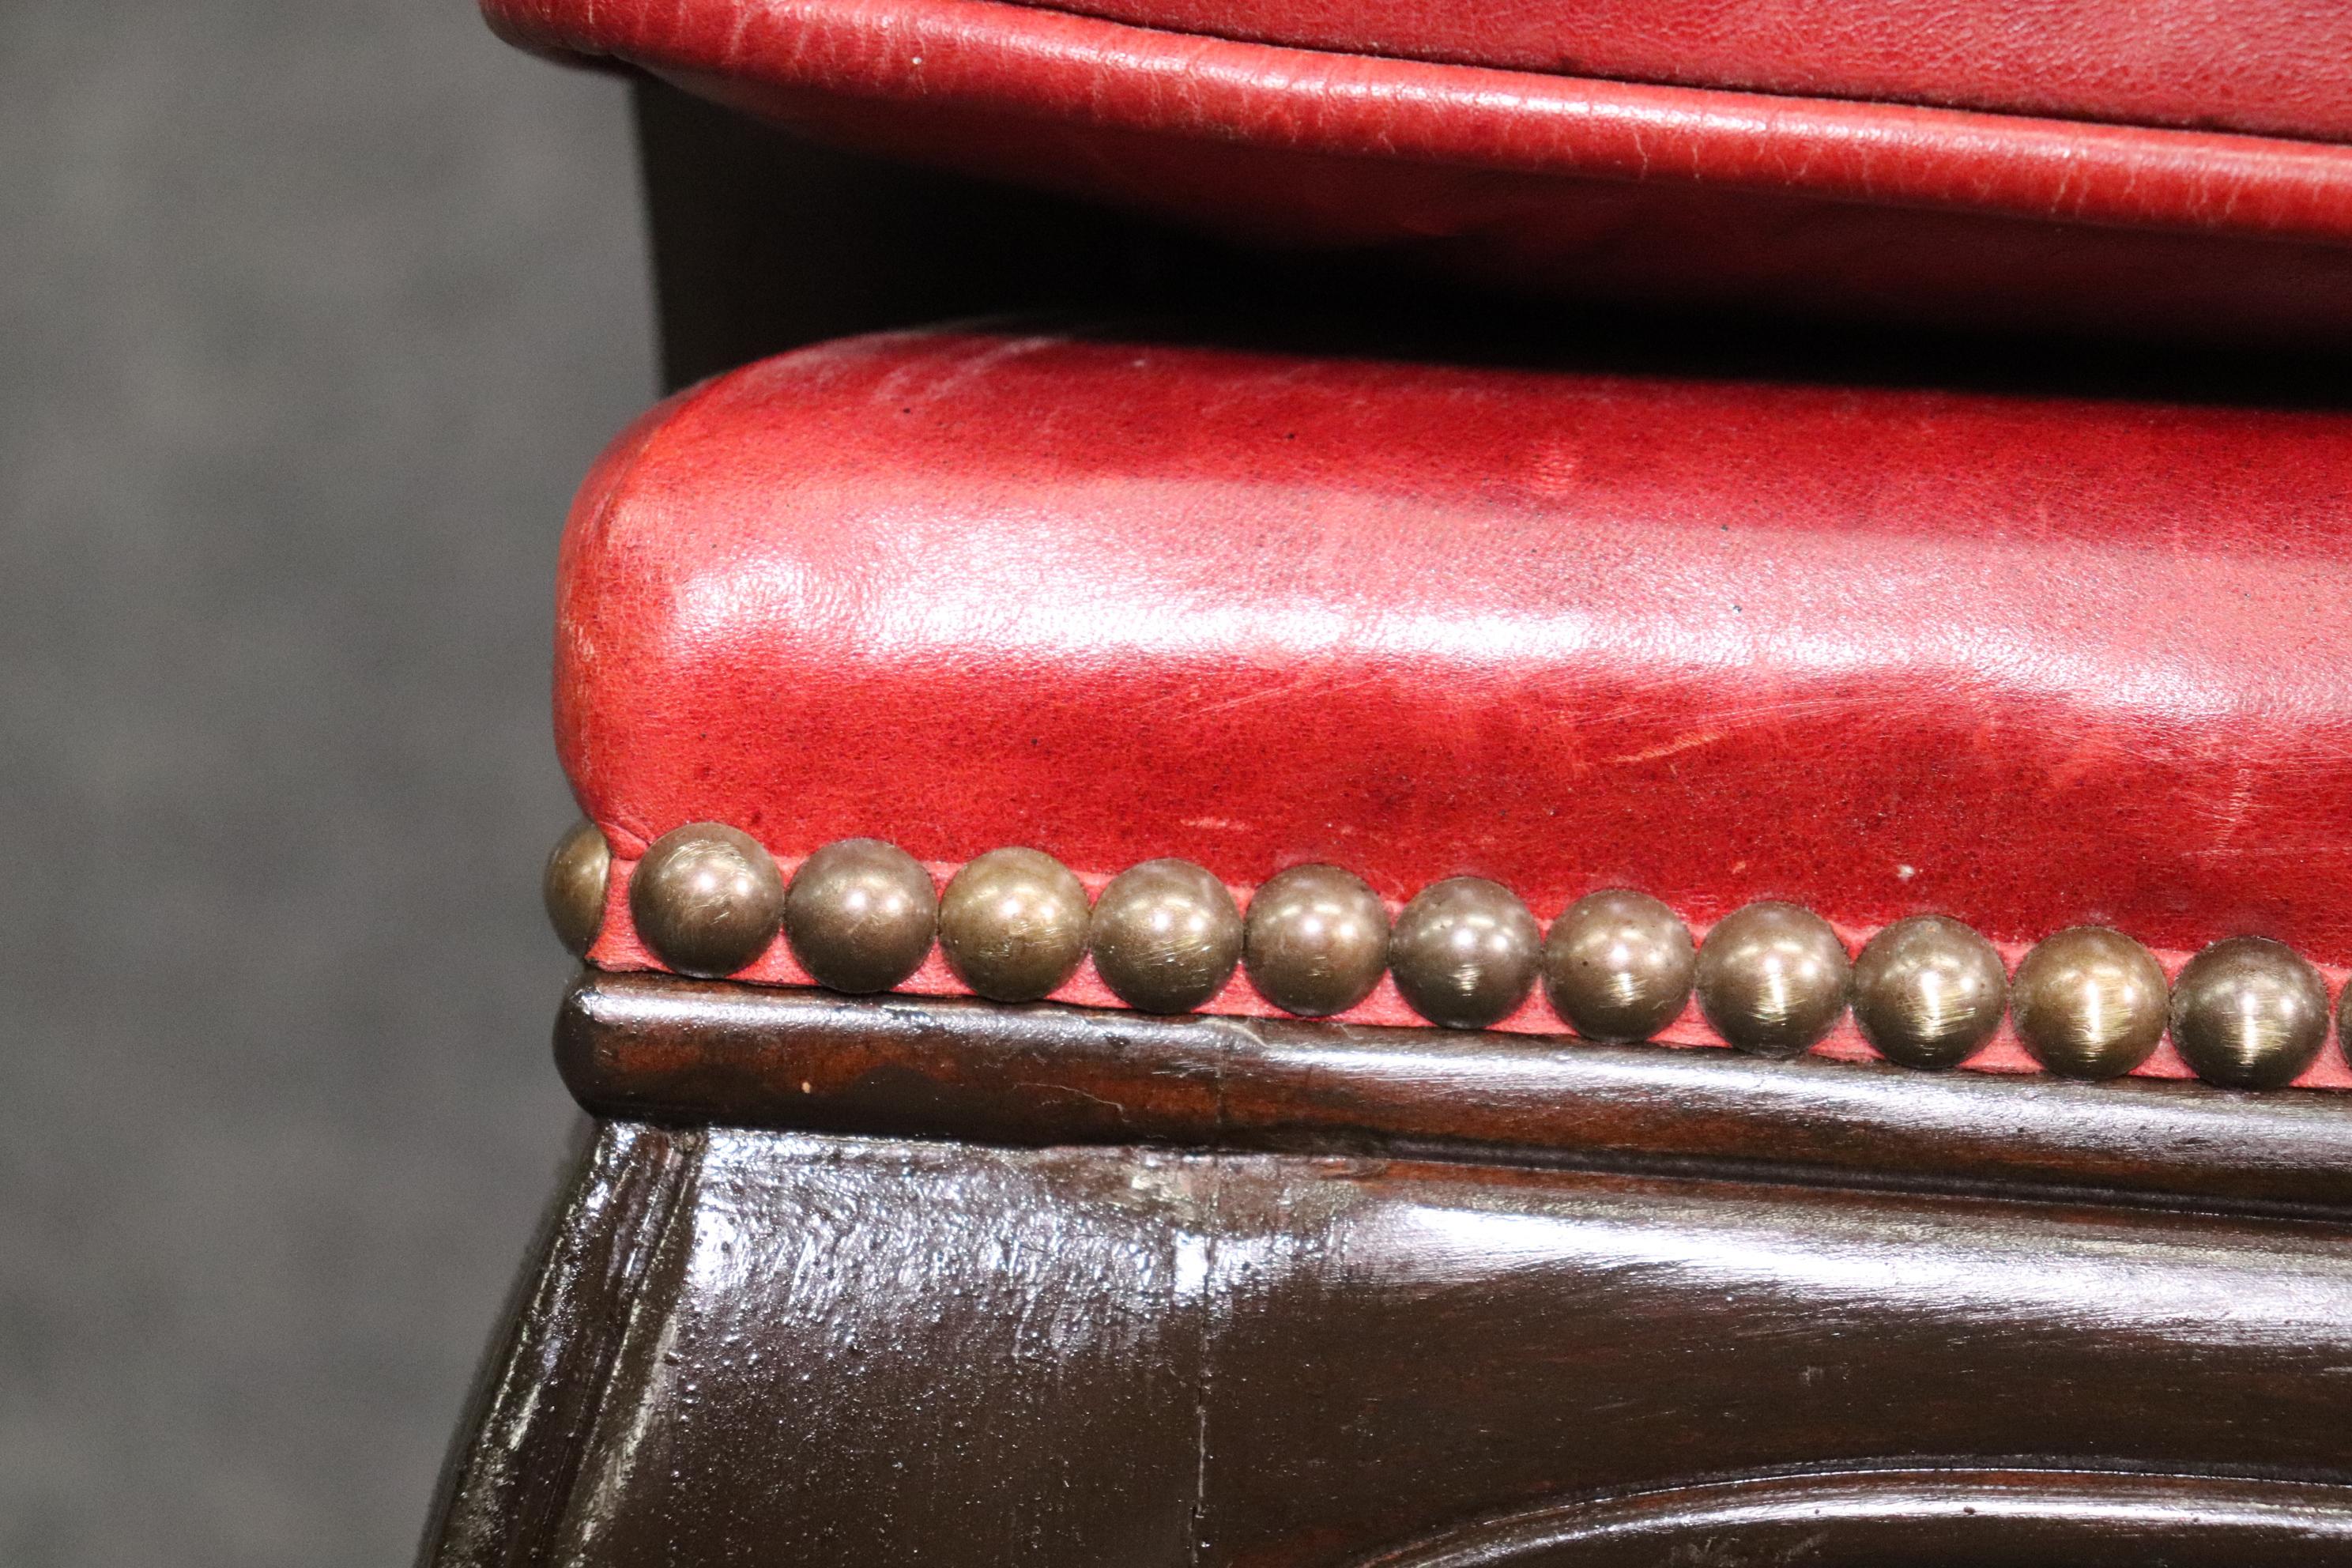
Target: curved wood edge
x=669, y=1050
x=510, y=1475
x=1982, y=1517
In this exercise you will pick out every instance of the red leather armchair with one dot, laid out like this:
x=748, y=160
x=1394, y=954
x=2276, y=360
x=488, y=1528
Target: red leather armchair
x=1210, y=943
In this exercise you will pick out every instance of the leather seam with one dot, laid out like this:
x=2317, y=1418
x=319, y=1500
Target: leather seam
x=2057, y=180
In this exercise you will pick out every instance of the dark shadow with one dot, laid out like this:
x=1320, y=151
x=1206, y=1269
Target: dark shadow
x=764, y=242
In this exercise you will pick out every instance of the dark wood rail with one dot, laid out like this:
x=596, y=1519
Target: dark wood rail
x=685, y=1052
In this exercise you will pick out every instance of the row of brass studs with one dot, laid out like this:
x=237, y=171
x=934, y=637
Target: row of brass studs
x=1772, y=978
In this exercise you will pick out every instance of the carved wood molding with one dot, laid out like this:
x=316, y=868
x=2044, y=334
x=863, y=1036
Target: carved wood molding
x=1865, y=1519
x=687, y=1052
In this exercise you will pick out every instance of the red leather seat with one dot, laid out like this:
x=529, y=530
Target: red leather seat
x=2026, y=662
x=2176, y=170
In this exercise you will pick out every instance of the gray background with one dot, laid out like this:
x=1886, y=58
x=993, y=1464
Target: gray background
x=311, y=313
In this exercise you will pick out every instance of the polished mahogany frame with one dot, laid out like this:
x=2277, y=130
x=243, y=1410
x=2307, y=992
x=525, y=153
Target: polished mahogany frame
x=851, y=1281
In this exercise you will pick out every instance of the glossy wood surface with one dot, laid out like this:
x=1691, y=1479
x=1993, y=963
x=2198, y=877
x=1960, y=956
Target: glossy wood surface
x=1959, y=1517
x=769, y=1348
x=684, y=1052
x=514, y=1473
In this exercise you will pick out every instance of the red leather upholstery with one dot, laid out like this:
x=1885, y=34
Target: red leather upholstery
x=2025, y=662
x=2274, y=67
x=1594, y=187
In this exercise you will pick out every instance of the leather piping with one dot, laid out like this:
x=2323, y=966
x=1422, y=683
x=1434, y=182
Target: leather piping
x=1019, y=62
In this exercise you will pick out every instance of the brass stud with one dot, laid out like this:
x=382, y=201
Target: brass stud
x=1166, y=936
x=1315, y=940
x=1772, y=979
x=1928, y=992
x=579, y=869
x=2249, y=1012
x=1012, y=923
x=1617, y=965
x=860, y=915
x=1464, y=952
x=706, y=899
x=2089, y=1003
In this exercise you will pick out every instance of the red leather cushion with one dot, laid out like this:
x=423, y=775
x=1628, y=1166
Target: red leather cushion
x=2025, y=662
x=2273, y=66
x=1594, y=187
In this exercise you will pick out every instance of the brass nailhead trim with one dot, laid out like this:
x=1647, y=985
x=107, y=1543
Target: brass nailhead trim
x=706, y=899
x=579, y=870
x=1772, y=978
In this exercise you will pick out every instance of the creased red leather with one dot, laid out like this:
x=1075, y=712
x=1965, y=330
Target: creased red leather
x=2274, y=67
x=1562, y=184
x=2025, y=662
